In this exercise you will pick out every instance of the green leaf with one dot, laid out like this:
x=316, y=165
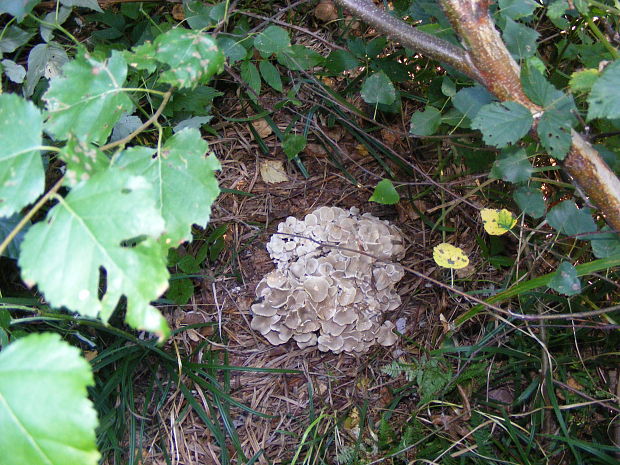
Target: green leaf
x=554, y=129
x=567, y=219
x=530, y=200
x=582, y=81
x=471, y=99
x=448, y=87
x=604, y=98
x=107, y=223
x=432, y=377
x=13, y=37
x=22, y=178
x=180, y=291
x=192, y=57
x=341, y=60
x=425, y=123
x=88, y=99
x=293, y=145
x=378, y=89
x=45, y=415
x=512, y=165
x=13, y=71
x=92, y=4
x=565, y=280
x=183, y=180
x=274, y=39
x=299, y=58
x=516, y=9
x=385, y=193
x=231, y=49
x=43, y=60
x=83, y=160
x=520, y=39
x=605, y=244
x=251, y=76
x=6, y=226
x=503, y=123
x=18, y=8
x=271, y=75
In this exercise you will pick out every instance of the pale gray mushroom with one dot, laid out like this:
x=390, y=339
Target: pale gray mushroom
x=325, y=296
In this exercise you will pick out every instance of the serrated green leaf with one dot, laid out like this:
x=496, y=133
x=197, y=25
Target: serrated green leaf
x=82, y=160
x=192, y=57
x=231, y=49
x=567, y=219
x=512, y=165
x=554, y=130
x=142, y=57
x=183, y=180
x=520, y=39
x=18, y=8
x=606, y=243
x=341, y=60
x=582, y=81
x=293, y=145
x=88, y=99
x=530, y=200
x=378, y=89
x=270, y=75
x=604, y=99
x=45, y=415
x=299, y=58
x=180, y=291
x=425, y=123
x=557, y=8
x=385, y=193
x=503, y=123
x=251, y=76
x=471, y=99
x=108, y=222
x=516, y=9
x=565, y=281
x=274, y=39
x=22, y=178
x=432, y=377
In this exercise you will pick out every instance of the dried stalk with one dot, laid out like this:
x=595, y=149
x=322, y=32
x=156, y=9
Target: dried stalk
x=487, y=60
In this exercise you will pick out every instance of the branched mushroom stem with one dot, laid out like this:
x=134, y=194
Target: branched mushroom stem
x=488, y=61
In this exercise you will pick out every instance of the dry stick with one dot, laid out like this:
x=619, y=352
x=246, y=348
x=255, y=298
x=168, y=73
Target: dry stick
x=488, y=61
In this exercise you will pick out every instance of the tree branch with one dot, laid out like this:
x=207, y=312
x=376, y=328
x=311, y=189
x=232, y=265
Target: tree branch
x=408, y=36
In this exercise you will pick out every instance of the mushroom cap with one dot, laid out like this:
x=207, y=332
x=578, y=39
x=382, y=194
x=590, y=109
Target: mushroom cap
x=316, y=287
x=385, y=336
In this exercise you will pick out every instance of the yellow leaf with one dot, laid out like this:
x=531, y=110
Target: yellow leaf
x=273, y=171
x=448, y=256
x=497, y=222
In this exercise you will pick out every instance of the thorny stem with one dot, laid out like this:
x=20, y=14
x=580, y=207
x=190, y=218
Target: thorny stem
x=24, y=221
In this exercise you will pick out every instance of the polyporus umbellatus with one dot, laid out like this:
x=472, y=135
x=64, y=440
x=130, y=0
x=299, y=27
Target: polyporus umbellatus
x=333, y=297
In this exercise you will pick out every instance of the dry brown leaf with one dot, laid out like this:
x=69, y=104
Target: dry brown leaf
x=273, y=172
x=262, y=128
x=572, y=382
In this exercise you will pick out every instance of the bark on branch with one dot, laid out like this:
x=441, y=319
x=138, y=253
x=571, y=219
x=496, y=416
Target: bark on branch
x=487, y=60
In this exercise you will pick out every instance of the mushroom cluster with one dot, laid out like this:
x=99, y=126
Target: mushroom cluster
x=333, y=282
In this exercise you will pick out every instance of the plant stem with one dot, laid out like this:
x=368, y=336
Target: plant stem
x=146, y=124
x=7, y=240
